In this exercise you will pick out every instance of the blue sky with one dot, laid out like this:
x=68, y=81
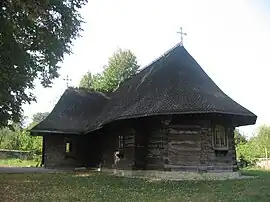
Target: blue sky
x=229, y=39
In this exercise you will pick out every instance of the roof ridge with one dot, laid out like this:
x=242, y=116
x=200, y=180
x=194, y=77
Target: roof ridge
x=153, y=62
x=86, y=90
x=161, y=57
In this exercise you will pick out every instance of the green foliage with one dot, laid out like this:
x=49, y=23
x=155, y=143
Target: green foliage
x=254, y=148
x=20, y=138
x=263, y=138
x=239, y=138
x=39, y=116
x=121, y=66
x=86, y=81
x=249, y=151
x=34, y=36
x=4, y=135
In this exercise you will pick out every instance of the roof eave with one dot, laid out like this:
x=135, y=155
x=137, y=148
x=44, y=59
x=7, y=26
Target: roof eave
x=245, y=119
x=38, y=132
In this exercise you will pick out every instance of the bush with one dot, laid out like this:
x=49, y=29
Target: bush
x=20, y=139
x=242, y=162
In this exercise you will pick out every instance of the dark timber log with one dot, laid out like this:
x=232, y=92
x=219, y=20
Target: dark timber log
x=176, y=145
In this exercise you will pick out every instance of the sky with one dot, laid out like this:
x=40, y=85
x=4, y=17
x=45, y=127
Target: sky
x=229, y=39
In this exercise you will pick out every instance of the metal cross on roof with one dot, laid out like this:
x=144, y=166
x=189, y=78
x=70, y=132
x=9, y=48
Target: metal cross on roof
x=67, y=79
x=182, y=34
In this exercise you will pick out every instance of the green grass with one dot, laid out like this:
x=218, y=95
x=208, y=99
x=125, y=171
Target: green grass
x=100, y=187
x=17, y=162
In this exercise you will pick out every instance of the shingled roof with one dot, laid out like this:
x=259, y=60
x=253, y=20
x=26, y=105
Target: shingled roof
x=73, y=111
x=173, y=84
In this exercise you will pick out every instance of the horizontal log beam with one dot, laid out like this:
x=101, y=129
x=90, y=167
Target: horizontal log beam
x=179, y=132
x=183, y=149
x=194, y=127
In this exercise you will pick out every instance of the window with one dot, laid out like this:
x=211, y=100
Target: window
x=121, y=142
x=220, y=140
x=68, y=147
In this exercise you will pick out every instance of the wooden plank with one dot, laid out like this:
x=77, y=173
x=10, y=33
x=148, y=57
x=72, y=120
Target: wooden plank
x=184, y=137
x=179, y=166
x=191, y=154
x=185, y=163
x=188, y=127
x=185, y=160
x=181, y=143
x=155, y=153
x=184, y=149
x=180, y=131
x=156, y=141
x=129, y=141
x=187, y=154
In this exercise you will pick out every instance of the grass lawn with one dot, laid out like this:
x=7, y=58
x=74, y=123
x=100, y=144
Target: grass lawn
x=17, y=162
x=100, y=187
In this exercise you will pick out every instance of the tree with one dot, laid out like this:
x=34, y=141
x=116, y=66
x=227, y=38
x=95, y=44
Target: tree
x=30, y=143
x=263, y=139
x=4, y=134
x=40, y=116
x=121, y=66
x=256, y=147
x=34, y=36
x=250, y=151
x=20, y=139
x=11, y=139
x=86, y=81
x=239, y=138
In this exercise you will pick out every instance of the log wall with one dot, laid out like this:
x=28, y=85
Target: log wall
x=127, y=162
x=190, y=149
x=156, y=151
x=85, y=151
x=184, y=147
x=54, y=153
x=89, y=150
x=110, y=145
x=220, y=163
x=170, y=145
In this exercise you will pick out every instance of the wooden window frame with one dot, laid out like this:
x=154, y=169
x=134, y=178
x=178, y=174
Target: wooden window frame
x=71, y=148
x=224, y=138
x=121, y=142
x=68, y=147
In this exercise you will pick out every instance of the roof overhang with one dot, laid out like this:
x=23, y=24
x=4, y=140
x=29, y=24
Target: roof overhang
x=41, y=132
x=236, y=120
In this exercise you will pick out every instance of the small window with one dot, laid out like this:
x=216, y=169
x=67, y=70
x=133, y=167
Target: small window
x=121, y=142
x=220, y=140
x=68, y=147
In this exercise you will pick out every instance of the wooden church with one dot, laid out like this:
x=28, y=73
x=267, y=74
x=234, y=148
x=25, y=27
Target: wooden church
x=170, y=116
